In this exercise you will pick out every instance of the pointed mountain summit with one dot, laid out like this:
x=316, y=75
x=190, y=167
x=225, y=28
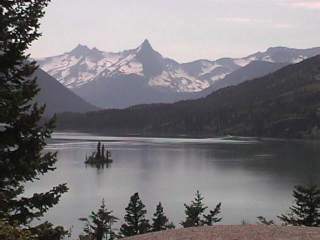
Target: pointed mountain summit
x=146, y=49
x=80, y=50
x=152, y=61
x=145, y=46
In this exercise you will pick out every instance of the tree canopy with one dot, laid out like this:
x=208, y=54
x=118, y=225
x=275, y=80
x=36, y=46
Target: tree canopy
x=23, y=135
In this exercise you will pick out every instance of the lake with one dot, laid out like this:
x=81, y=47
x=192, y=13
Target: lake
x=250, y=177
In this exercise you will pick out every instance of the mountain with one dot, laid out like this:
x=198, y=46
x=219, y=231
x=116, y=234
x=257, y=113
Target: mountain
x=134, y=79
x=57, y=97
x=285, y=103
x=284, y=55
x=143, y=75
x=83, y=65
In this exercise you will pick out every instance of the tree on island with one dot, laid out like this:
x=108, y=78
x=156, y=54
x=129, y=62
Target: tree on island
x=135, y=221
x=22, y=134
x=195, y=213
x=98, y=155
x=305, y=211
x=99, y=225
x=160, y=221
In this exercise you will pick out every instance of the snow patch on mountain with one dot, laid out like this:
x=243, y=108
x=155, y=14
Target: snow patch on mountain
x=179, y=81
x=218, y=77
x=299, y=59
x=244, y=61
x=208, y=67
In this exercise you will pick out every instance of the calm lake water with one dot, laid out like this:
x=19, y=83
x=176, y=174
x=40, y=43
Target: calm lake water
x=249, y=177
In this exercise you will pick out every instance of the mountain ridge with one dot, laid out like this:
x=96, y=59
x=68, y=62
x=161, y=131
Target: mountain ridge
x=83, y=69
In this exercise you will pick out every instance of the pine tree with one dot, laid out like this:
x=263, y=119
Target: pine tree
x=305, y=212
x=195, y=213
x=135, y=221
x=212, y=218
x=99, y=224
x=103, y=153
x=22, y=136
x=160, y=220
x=98, y=156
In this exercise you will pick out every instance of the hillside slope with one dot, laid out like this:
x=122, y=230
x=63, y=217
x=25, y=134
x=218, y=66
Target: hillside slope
x=57, y=97
x=282, y=104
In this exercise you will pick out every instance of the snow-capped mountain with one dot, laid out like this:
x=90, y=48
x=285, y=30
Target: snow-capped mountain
x=283, y=55
x=83, y=65
x=84, y=70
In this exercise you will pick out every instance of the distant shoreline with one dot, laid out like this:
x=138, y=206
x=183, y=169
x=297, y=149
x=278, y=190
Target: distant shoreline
x=196, y=137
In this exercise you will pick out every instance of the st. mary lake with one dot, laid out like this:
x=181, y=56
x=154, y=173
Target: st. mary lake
x=250, y=177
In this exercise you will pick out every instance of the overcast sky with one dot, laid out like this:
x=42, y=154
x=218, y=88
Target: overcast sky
x=181, y=29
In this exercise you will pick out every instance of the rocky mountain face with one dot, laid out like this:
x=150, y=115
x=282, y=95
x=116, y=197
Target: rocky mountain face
x=142, y=75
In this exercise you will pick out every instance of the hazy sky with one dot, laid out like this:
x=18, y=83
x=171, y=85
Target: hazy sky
x=181, y=29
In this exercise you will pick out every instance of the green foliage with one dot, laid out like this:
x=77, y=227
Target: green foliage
x=160, y=221
x=99, y=224
x=22, y=136
x=195, y=213
x=305, y=211
x=135, y=221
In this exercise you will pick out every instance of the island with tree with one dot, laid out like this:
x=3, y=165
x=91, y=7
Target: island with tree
x=100, y=157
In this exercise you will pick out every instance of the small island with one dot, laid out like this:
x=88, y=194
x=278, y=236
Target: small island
x=100, y=157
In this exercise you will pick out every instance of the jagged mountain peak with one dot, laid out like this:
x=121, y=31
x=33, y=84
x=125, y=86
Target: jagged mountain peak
x=145, y=45
x=152, y=61
x=145, y=48
x=84, y=51
x=80, y=50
